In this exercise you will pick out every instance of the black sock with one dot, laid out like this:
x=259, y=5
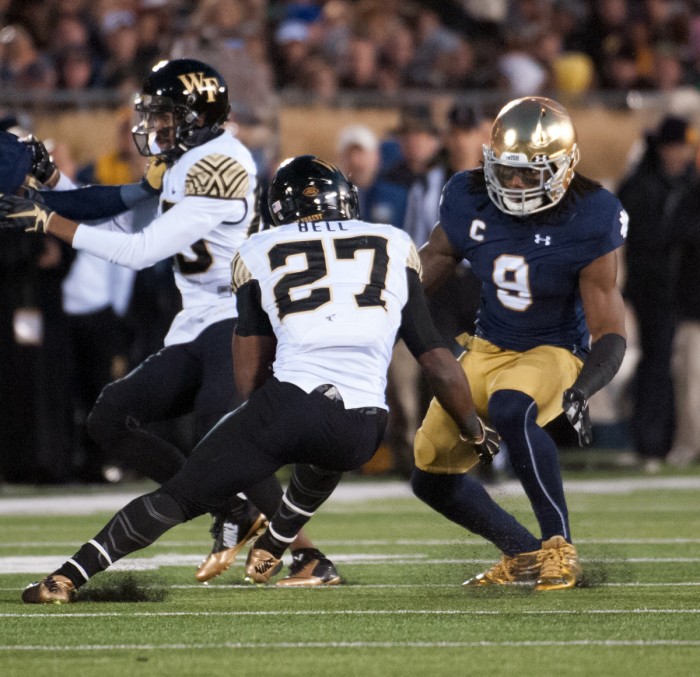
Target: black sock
x=308, y=488
x=534, y=459
x=463, y=500
x=135, y=526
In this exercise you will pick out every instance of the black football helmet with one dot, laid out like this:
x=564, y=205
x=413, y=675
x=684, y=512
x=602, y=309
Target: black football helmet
x=195, y=94
x=306, y=188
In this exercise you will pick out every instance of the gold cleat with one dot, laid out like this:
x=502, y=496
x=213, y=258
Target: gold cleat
x=519, y=569
x=560, y=568
x=229, y=539
x=261, y=566
x=310, y=568
x=55, y=589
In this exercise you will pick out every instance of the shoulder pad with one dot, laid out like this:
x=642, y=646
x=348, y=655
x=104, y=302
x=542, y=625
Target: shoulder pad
x=218, y=176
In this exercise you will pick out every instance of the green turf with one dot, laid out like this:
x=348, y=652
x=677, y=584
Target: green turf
x=401, y=610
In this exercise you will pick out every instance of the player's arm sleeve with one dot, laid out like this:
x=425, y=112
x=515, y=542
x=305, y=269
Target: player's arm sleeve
x=94, y=202
x=417, y=327
x=254, y=341
x=188, y=221
x=252, y=318
x=614, y=231
x=601, y=365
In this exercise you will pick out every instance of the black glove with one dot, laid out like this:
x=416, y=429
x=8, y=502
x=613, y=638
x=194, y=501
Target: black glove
x=488, y=447
x=19, y=213
x=43, y=167
x=575, y=406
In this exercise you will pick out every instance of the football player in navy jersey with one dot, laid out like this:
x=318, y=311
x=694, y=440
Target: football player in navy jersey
x=320, y=300
x=550, y=331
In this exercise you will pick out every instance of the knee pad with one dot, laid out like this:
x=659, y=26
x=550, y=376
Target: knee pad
x=437, y=448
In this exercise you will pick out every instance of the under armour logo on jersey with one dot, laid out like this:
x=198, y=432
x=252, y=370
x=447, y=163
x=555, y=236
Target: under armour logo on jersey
x=546, y=239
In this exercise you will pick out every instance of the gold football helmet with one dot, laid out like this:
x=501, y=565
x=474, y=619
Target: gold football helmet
x=530, y=162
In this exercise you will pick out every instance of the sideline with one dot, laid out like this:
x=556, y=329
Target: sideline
x=83, y=501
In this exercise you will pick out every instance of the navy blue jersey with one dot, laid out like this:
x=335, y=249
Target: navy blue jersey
x=529, y=267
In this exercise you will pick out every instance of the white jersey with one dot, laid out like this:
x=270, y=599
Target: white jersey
x=206, y=207
x=334, y=292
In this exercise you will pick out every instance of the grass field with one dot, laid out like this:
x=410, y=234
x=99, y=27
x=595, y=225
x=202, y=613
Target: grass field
x=400, y=611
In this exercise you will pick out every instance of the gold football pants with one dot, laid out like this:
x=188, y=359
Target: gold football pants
x=543, y=373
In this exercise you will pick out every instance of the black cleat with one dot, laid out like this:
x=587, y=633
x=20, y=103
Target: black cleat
x=309, y=568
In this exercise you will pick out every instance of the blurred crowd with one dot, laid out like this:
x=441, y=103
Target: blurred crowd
x=59, y=345
x=322, y=47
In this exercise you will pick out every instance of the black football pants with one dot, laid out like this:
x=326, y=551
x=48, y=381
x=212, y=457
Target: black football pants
x=279, y=425
x=195, y=377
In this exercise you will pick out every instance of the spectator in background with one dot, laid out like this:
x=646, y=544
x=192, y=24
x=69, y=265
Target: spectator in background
x=433, y=41
x=361, y=65
x=607, y=29
x=685, y=363
x=22, y=65
x=359, y=157
x=397, y=52
x=77, y=69
x=123, y=164
x=76, y=30
x=334, y=30
x=651, y=195
x=290, y=53
x=419, y=143
x=154, y=29
x=121, y=68
x=521, y=72
x=319, y=80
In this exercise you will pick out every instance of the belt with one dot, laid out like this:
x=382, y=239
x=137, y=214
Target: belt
x=331, y=392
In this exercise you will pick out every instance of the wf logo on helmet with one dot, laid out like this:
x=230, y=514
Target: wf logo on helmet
x=197, y=81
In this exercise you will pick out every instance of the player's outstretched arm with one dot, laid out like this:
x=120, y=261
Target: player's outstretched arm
x=445, y=376
x=91, y=203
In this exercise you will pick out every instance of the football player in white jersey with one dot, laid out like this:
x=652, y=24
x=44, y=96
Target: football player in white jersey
x=321, y=300
x=205, y=207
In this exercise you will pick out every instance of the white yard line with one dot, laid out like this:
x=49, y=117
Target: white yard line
x=609, y=643
x=41, y=564
x=357, y=612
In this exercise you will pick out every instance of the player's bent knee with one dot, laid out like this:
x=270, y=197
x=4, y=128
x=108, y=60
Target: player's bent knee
x=508, y=408
x=108, y=421
x=424, y=484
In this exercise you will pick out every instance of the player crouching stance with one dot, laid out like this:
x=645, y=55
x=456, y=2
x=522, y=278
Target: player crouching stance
x=550, y=331
x=322, y=298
